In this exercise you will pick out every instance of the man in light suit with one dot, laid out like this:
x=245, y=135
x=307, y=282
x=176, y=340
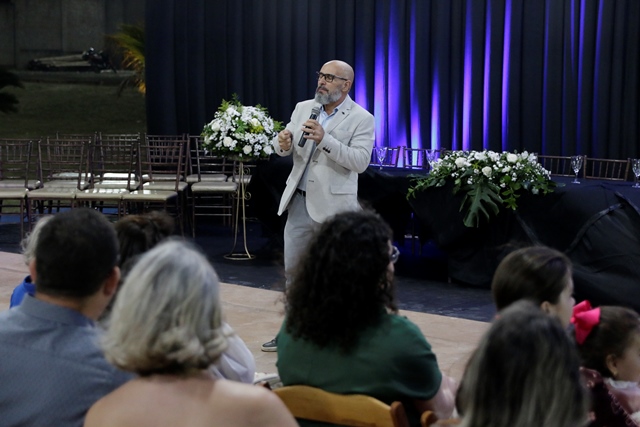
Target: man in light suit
x=324, y=178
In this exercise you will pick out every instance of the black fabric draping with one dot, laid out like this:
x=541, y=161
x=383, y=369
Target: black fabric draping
x=550, y=76
x=596, y=223
x=383, y=191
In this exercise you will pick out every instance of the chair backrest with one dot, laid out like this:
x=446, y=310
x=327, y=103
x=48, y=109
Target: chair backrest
x=415, y=158
x=615, y=170
x=355, y=410
x=65, y=162
x=559, y=165
x=205, y=166
x=16, y=169
x=114, y=163
x=162, y=158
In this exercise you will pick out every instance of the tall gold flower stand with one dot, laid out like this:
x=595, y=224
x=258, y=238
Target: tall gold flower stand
x=241, y=174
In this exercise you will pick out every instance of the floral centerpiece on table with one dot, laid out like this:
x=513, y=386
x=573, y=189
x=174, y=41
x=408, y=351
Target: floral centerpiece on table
x=487, y=180
x=240, y=131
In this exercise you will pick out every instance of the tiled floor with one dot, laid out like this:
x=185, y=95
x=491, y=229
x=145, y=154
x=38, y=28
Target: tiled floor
x=452, y=317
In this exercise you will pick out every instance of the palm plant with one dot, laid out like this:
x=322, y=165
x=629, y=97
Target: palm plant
x=8, y=101
x=131, y=40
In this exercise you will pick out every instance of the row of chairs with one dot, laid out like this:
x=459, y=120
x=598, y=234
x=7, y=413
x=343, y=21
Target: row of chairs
x=118, y=174
x=592, y=168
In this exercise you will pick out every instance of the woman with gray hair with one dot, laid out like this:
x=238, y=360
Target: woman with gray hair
x=167, y=327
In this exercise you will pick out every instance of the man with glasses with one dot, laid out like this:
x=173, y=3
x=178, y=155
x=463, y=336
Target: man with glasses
x=328, y=154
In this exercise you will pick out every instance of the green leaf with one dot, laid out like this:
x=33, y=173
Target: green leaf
x=480, y=200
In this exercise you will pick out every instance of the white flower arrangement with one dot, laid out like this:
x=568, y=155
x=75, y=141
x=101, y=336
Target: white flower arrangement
x=240, y=131
x=487, y=179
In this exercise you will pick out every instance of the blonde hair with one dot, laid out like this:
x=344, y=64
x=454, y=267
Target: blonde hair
x=167, y=318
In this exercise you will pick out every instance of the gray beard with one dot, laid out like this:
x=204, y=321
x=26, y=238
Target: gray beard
x=327, y=98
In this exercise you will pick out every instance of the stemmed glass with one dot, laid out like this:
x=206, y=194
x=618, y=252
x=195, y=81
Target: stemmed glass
x=576, y=165
x=381, y=153
x=431, y=155
x=635, y=166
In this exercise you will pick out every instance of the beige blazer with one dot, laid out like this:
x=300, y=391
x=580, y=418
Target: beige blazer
x=343, y=153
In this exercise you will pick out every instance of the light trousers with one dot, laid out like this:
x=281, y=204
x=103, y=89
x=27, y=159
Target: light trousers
x=297, y=233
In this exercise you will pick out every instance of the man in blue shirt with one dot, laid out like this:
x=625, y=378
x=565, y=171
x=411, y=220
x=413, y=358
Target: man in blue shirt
x=51, y=366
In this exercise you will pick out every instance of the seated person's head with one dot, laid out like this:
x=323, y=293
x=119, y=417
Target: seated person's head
x=608, y=339
x=343, y=281
x=525, y=372
x=139, y=233
x=539, y=274
x=77, y=251
x=167, y=318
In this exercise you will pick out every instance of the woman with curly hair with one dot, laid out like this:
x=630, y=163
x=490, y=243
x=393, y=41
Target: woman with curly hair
x=342, y=331
x=167, y=327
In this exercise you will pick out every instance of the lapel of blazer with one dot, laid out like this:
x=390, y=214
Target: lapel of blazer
x=342, y=114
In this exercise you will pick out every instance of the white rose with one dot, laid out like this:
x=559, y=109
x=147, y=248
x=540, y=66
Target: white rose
x=487, y=171
x=246, y=149
x=215, y=126
x=227, y=142
x=255, y=122
x=460, y=162
x=267, y=150
x=512, y=158
x=481, y=156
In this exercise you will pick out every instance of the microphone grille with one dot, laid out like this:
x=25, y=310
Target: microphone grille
x=316, y=109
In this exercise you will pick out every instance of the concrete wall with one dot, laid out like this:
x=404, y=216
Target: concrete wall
x=32, y=29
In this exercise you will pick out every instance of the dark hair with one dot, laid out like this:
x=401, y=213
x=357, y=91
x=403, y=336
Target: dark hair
x=525, y=372
x=75, y=253
x=537, y=273
x=342, y=284
x=139, y=233
x=612, y=335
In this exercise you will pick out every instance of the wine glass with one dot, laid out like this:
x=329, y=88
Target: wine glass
x=431, y=155
x=635, y=166
x=381, y=153
x=576, y=165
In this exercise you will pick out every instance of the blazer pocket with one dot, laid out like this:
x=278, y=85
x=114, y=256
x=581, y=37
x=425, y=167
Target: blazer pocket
x=344, y=189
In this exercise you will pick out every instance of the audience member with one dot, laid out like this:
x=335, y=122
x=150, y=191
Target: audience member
x=342, y=332
x=608, y=339
x=139, y=233
x=167, y=327
x=539, y=274
x=51, y=368
x=28, y=244
x=524, y=373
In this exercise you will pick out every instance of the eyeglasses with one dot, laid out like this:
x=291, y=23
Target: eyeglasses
x=395, y=254
x=329, y=77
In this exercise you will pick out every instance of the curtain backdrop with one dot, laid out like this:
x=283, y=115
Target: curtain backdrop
x=557, y=77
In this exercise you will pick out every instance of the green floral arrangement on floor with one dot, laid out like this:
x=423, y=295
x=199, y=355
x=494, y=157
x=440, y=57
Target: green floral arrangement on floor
x=487, y=180
x=240, y=131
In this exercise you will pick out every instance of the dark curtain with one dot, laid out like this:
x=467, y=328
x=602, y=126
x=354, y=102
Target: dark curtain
x=556, y=77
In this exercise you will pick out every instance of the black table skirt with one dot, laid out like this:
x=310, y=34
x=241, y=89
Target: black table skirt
x=596, y=223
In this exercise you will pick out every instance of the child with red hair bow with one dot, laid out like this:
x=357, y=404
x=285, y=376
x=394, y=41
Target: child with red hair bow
x=608, y=339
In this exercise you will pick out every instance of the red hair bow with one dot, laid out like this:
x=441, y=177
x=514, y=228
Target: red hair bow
x=584, y=319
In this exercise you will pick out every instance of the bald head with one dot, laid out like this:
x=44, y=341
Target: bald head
x=346, y=70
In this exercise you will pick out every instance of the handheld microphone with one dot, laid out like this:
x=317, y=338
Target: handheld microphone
x=314, y=115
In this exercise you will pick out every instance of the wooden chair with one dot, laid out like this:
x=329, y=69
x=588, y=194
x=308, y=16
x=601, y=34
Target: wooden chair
x=17, y=177
x=610, y=169
x=415, y=158
x=390, y=160
x=354, y=410
x=428, y=418
x=211, y=191
x=560, y=165
x=114, y=161
x=64, y=170
x=160, y=164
